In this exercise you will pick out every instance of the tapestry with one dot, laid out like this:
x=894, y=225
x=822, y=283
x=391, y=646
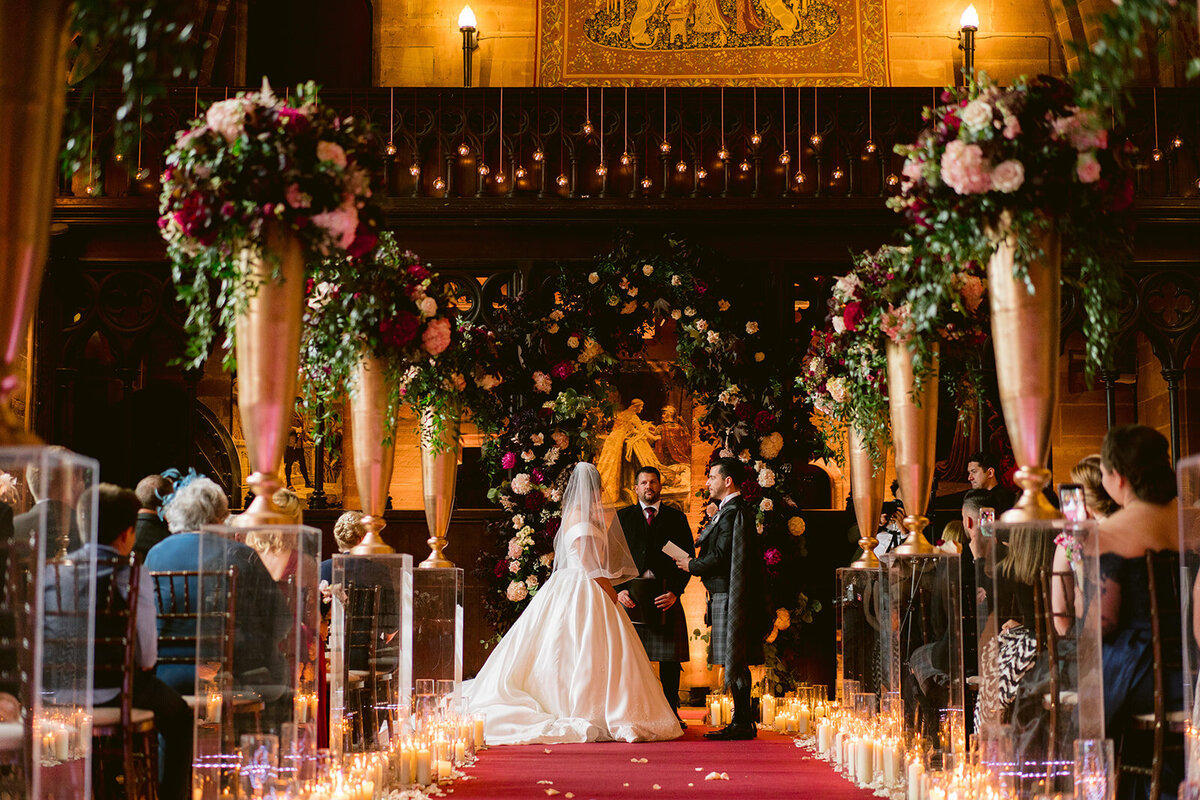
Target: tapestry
x=712, y=42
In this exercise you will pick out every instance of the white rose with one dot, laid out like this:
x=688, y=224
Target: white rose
x=1008, y=176
x=226, y=117
x=551, y=456
x=713, y=337
x=531, y=582
x=767, y=504
x=428, y=307
x=839, y=324
x=766, y=478
x=647, y=270
x=676, y=313
x=689, y=311
x=561, y=440
x=751, y=328
x=514, y=566
x=537, y=439
x=527, y=455
x=331, y=151
x=676, y=280
x=977, y=115
x=594, y=278
x=701, y=325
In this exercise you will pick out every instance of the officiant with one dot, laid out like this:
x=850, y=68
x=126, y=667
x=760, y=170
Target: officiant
x=652, y=600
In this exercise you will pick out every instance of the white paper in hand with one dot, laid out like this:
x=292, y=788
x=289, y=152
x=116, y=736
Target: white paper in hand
x=674, y=551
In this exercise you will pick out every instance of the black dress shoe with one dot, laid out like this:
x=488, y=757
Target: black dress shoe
x=733, y=733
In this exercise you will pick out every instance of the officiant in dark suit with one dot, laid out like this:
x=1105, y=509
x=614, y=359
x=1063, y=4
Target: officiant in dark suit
x=731, y=566
x=653, y=599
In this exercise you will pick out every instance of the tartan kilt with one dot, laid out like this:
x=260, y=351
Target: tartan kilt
x=718, y=619
x=669, y=642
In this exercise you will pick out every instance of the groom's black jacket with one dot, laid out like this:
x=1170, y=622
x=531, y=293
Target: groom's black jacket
x=646, y=543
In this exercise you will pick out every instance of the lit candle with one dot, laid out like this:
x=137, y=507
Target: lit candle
x=445, y=770
x=916, y=772
x=478, y=732
x=768, y=709
x=301, y=706
x=889, y=764
x=865, y=771
x=824, y=731
x=714, y=712
x=460, y=751
x=423, y=764
x=802, y=720
x=214, y=707
x=837, y=748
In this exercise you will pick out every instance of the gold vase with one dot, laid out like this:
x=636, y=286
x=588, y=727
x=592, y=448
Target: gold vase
x=1025, y=334
x=866, y=488
x=33, y=47
x=370, y=427
x=914, y=437
x=439, y=472
x=268, y=356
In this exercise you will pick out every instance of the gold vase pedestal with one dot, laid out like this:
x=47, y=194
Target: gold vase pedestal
x=33, y=46
x=373, y=433
x=440, y=455
x=914, y=437
x=867, y=481
x=268, y=357
x=1025, y=336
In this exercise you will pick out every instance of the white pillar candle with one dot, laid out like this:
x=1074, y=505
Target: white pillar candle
x=405, y=766
x=479, y=733
x=823, y=736
x=460, y=751
x=423, y=764
x=837, y=748
x=915, y=772
x=444, y=770
x=768, y=709
x=802, y=720
x=889, y=764
x=866, y=761
x=714, y=712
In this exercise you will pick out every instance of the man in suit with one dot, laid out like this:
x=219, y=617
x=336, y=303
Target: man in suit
x=731, y=566
x=981, y=473
x=55, y=490
x=648, y=525
x=151, y=491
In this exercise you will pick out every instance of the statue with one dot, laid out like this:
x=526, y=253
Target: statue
x=629, y=446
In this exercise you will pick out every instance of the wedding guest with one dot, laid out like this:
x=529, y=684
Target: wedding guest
x=981, y=474
x=1088, y=474
x=953, y=536
x=151, y=529
x=116, y=517
x=290, y=504
x=348, y=531
x=54, y=492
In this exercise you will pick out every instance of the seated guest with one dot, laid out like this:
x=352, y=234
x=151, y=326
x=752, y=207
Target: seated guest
x=1088, y=474
x=117, y=511
x=953, y=536
x=981, y=473
x=151, y=491
x=348, y=531
x=54, y=492
x=1135, y=464
x=261, y=613
x=290, y=504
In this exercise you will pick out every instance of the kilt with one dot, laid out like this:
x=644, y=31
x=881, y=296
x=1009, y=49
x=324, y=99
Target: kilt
x=669, y=642
x=718, y=619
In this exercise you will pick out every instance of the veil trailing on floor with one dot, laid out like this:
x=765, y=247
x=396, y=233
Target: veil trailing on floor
x=587, y=539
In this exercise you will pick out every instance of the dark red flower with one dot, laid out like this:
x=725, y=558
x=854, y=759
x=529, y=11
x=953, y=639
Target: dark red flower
x=399, y=331
x=552, y=525
x=534, y=500
x=853, y=315
x=562, y=369
x=364, y=242
x=501, y=568
x=418, y=273
x=745, y=411
x=764, y=421
x=751, y=490
x=294, y=119
x=537, y=476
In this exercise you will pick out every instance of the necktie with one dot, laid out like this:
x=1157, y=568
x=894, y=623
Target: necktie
x=649, y=514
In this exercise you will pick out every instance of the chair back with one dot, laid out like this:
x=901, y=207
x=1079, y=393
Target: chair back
x=181, y=600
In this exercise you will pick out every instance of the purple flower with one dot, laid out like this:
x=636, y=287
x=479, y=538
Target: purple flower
x=508, y=460
x=537, y=476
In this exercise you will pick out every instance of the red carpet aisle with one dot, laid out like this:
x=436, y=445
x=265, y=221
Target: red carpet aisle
x=768, y=767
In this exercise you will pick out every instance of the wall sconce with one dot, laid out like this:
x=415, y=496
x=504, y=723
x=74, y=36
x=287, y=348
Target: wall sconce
x=470, y=34
x=969, y=24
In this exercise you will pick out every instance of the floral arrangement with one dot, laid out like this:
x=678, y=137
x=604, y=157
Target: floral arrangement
x=251, y=162
x=385, y=304
x=562, y=359
x=844, y=372
x=1019, y=161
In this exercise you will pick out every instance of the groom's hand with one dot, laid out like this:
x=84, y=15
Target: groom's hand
x=683, y=562
x=624, y=599
x=665, y=601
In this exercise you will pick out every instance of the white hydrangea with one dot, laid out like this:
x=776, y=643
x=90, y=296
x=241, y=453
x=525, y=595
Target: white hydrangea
x=521, y=484
x=516, y=591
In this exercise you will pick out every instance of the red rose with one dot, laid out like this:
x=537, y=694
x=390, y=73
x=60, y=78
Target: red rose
x=399, y=331
x=853, y=315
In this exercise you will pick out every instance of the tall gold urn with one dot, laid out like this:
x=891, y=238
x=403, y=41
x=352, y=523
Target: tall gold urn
x=914, y=437
x=33, y=47
x=373, y=433
x=268, y=356
x=1025, y=335
x=440, y=454
x=866, y=489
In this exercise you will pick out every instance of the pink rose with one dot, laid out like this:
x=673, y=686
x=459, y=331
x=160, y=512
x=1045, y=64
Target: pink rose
x=331, y=151
x=1012, y=127
x=227, y=117
x=341, y=224
x=1008, y=176
x=853, y=315
x=296, y=198
x=508, y=460
x=436, y=337
x=964, y=169
x=1087, y=168
x=912, y=169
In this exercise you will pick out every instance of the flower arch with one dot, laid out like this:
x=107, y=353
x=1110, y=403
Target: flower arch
x=560, y=346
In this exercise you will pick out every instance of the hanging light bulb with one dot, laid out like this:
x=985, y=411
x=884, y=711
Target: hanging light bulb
x=701, y=173
x=601, y=170
x=484, y=169
x=142, y=174
x=519, y=172
x=562, y=179
x=415, y=169
x=681, y=167
x=119, y=157
x=587, y=128
x=500, y=178
x=625, y=159
x=89, y=190
x=723, y=154
x=390, y=150
x=801, y=178
x=893, y=179
x=464, y=149
x=539, y=155
x=744, y=166
x=869, y=146
x=1157, y=154
x=838, y=173
x=664, y=147
x=439, y=184
x=815, y=140
x=646, y=182
x=1177, y=143
x=785, y=158
x=756, y=138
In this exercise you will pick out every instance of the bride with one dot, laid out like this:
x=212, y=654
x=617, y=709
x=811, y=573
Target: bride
x=572, y=668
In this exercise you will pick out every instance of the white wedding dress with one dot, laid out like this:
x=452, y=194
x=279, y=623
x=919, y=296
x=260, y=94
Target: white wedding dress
x=572, y=668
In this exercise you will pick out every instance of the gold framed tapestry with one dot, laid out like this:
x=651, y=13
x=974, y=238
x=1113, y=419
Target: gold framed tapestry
x=711, y=42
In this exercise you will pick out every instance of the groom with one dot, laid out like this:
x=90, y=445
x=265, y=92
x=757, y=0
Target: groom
x=648, y=525
x=730, y=566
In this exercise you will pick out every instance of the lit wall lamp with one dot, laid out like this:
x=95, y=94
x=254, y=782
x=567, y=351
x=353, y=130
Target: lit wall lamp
x=969, y=24
x=466, y=24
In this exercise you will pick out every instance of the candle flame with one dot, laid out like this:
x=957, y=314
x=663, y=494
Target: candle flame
x=466, y=18
x=969, y=18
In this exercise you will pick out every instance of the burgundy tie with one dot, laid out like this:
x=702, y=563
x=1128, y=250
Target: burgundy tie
x=649, y=514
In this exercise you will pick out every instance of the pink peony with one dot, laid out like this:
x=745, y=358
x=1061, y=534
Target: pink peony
x=895, y=322
x=341, y=224
x=1008, y=176
x=331, y=151
x=508, y=460
x=296, y=198
x=964, y=169
x=1087, y=167
x=912, y=169
x=1012, y=127
x=228, y=117
x=436, y=337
